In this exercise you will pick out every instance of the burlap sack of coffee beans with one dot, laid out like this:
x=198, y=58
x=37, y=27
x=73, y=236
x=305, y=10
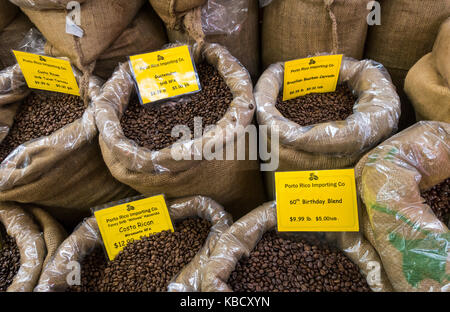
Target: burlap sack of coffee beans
x=61, y=170
x=240, y=240
x=242, y=44
x=235, y=184
x=334, y=144
x=144, y=34
x=412, y=243
x=86, y=239
x=37, y=236
x=428, y=81
x=7, y=13
x=294, y=29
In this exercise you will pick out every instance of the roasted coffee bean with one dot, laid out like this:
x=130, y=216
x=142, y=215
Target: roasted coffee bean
x=151, y=126
x=9, y=261
x=41, y=114
x=316, y=108
x=145, y=265
x=439, y=200
x=281, y=265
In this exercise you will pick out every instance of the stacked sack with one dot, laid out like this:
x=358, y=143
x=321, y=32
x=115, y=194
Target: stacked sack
x=407, y=32
x=36, y=237
x=62, y=170
x=413, y=244
x=235, y=184
x=428, y=82
x=233, y=24
x=86, y=239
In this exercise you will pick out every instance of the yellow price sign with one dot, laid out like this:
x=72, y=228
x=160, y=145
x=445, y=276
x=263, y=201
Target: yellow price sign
x=317, y=201
x=122, y=224
x=317, y=74
x=47, y=73
x=164, y=74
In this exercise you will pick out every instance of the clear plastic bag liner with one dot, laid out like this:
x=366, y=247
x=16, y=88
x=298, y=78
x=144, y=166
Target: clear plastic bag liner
x=21, y=226
x=375, y=113
x=263, y=3
x=86, y=237
x=413, y=244
x=43, y=4
x=242, y=237
x=114, y=97
x=223, y=16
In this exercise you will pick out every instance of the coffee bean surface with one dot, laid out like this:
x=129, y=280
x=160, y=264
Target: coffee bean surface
x=145, y=265
x=281, y=265
x=41, y=114
x=151, y=126
x=438, y=198
x=9, y=261
x=316, y=108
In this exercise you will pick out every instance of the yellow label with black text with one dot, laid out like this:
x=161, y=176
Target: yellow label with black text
x=122, y=224
x=312, y=201
x=164, y=74
x=47, y=73
x=317, y=74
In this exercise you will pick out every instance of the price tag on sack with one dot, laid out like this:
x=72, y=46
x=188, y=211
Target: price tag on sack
x=317, y=201
x=164, y=74
x=124, y=223
x=317, y=74
x=47, y=73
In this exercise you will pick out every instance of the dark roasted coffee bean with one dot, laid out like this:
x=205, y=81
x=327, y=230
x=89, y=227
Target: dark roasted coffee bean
x=9, y=261
x=151, y=126
x=318, y=107
x=282, y=265
x=145, y=265
x=438, y=198
x=41, y=114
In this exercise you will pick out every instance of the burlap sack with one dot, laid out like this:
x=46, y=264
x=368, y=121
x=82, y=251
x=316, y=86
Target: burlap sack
x=235, y=184
x=331, y=145
x=243, y=44
x=101, y=20
x=10, y=38
x=146, y=33
x=87, y=237
x=294, y=29
x=171, y=11
x=62, y=171
x=43, y=4
x=412, y=243
x=7, y=13
x=441, y=51
x=37, y=236
x=242, y=237
x=428, y=91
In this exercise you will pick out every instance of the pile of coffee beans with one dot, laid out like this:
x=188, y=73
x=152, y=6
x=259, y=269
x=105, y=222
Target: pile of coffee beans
x=9, y=261
x=145, y=265
x=151, y=126
x=438, y=198
x=41, y=114
x=316, y=108
x=281, y=265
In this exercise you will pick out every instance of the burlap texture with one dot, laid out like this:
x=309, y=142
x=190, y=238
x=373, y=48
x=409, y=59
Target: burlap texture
x=428, y=91
x=407, y=32
x=331, y=145
x=10, y=38
x=8, y=12
x=294, y=29
x=233, y=183
x=101, y=20
x=171, y=11
x=242, y=237
x=441, y=51
x=412, y=243
x=20, y=225
x=87, y=237
x=61, y=171
x=43, y=4
x=244, y=44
